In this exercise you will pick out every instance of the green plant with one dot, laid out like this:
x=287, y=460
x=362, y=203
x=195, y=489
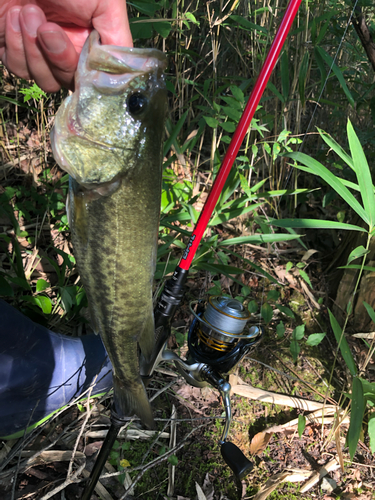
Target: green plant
x=362, y=392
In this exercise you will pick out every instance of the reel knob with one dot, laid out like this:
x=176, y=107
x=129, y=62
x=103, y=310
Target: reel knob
x=236, y=460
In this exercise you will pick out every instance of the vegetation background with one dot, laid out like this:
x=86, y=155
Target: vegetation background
x=291, y=236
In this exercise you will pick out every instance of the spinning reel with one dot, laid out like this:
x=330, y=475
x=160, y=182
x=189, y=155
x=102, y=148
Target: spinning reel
x=218, y=340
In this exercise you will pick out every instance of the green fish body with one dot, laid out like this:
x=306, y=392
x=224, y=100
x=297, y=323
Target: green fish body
x=108, y=137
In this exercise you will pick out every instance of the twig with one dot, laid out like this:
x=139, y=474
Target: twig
x=69, y=480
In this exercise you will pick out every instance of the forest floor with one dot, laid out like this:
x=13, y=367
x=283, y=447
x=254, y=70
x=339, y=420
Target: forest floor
x=290, y=461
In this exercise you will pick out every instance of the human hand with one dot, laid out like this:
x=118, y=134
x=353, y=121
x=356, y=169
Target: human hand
x=42, y=41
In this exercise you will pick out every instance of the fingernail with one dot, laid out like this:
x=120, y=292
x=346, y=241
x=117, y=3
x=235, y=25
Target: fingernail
x=32, y=20
x=15, y=19
x=54, y=41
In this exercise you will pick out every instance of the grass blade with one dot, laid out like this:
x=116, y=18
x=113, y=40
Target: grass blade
x=336, y=148
x=333, y=181
x=337, y=71
x=363, y=174
x=344, y=348
x=356, y=416
x=258, y=239
x=314, y=224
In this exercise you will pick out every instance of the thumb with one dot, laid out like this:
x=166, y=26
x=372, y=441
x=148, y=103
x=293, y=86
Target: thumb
x=112, y=23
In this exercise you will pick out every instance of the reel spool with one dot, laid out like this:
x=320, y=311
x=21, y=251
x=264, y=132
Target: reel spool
x=219, y=336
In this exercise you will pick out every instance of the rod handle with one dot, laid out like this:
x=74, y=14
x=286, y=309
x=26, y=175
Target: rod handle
x=236, y=460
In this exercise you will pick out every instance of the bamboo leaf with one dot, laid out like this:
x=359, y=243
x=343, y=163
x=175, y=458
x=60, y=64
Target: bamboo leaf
x=370, y=311
x=343, y=344
x=357, y=253
x=258, y=239
x=328, y=60
x=356, y=416
x=363, y=174
x=313, y=224
x=331, y=179
x=336, y=148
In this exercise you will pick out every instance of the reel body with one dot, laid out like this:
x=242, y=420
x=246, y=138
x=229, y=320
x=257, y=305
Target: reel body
x=218, y=340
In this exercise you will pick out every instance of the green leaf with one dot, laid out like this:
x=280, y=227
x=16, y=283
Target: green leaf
x=252, y=307
x=357, y=253
x=356, y=416
x=229, y=127
x=288, y=312
x=371, y=431
x=41, y=285
x=5, y=289
x=329, y=61
x=295, y=349
x=363, y=174
x=174, y=133
x=173, y=460
x=314, y=224
x=258, y=238
x=343, y=344
x=273, y=295
x=266, y=312
x=370, y=311
x=298, y=332
x=289, y=266
x=301, y=424
x=280, y=330
x=247, y=24
x=305, y=276
x=162, y=27
x=318, y=169
x=237, y=93
x=45, y=303
x=211, y=122
x=336, y=148
x=315, y=338
x=191, y=18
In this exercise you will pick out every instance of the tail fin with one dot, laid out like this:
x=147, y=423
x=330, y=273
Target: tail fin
x=132, y=399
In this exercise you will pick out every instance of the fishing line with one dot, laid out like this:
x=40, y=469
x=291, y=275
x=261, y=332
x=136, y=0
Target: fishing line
x=322, y=90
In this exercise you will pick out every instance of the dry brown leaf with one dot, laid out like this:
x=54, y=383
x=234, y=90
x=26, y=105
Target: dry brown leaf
x=259, y=442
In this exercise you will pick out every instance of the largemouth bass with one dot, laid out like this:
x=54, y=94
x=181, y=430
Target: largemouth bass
x=108, y=137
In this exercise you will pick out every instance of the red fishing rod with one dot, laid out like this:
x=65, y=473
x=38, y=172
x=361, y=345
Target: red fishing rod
x=173, y=293
x=173, y=290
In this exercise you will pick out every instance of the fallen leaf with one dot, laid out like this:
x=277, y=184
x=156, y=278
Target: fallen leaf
x=92, y=448
x=259, y=442
x=201, y=495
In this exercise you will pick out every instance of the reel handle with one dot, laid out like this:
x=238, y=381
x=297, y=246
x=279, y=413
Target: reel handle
x=236, y=460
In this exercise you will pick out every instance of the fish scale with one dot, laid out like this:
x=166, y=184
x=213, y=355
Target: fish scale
x=113, y=156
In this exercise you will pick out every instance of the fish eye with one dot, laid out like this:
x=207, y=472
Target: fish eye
x=137, y=103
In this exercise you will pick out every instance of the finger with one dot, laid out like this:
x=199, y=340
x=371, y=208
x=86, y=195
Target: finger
x=111, y=21
x=31, y=17
x=59, y=52
x=14, y=56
